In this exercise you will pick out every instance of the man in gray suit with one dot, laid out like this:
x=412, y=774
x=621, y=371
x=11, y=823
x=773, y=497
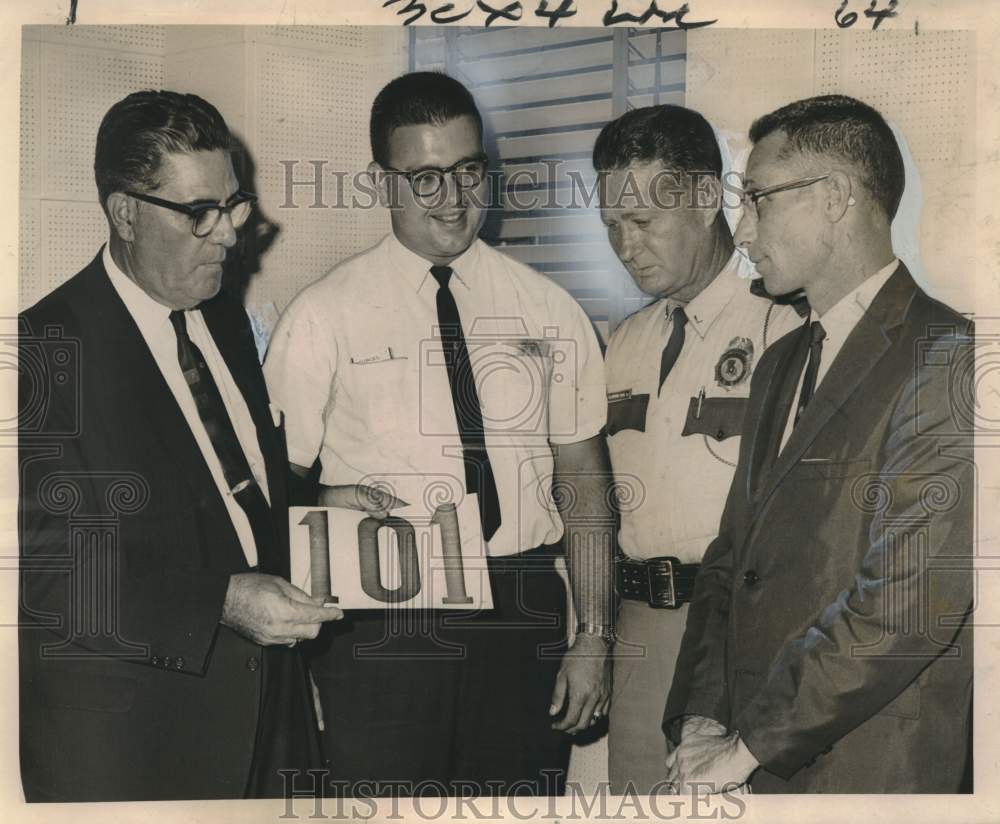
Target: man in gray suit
x=828, y=646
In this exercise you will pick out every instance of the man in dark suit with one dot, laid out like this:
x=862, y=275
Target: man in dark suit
x=829, y=647
x=156, y=625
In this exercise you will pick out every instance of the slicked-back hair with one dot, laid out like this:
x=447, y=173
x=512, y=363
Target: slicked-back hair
x=417, y=99
x=681, y=139
x=842, y=127
x=137, y=131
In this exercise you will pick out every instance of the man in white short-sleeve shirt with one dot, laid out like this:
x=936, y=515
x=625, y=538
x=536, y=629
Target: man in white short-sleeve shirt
x=678, y=375
x=434, y=365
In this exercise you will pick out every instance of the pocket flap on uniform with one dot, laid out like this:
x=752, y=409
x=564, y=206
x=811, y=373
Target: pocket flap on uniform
x=627, y=413
x=719, y=418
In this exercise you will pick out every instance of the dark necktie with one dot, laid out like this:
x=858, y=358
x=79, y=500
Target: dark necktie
x=465, y=399
x=673, y=348
x=816, y=335
x=212, y=412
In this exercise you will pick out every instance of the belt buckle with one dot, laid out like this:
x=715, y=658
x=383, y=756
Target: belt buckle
x=662, y=594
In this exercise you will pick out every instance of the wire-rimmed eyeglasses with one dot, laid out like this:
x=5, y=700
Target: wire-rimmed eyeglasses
x=748, y=199
x=427, y=182
x=206, y=216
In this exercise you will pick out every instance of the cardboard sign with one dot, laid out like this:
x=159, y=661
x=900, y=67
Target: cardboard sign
x=410, y=560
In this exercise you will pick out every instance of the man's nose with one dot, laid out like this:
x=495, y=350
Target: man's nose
x=627, y=244
x=454, y=194
x=224, y=232
x=746, y=229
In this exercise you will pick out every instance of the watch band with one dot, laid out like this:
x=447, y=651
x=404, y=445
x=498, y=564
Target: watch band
x=602, y=631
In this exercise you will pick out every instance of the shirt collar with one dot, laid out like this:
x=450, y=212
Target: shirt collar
x=417, y=270
x=709, y=303
x=846, y=312
x=147, y=313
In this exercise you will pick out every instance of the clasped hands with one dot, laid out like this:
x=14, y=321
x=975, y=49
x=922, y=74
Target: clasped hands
x=708, y=758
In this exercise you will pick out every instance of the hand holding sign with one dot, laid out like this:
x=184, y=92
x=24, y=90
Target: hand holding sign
x=269, y=610
x=376, y=502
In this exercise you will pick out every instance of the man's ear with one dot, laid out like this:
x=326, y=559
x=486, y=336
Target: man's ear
x=839, y=195
x=382, y=183
x=708, y=197
x=121, y=211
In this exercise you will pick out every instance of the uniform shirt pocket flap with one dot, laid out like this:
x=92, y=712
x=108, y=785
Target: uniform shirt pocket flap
x=627, y=413
x=718, y=418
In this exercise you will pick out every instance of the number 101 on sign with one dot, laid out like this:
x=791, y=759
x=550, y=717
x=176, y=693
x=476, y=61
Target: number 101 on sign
x=409, y=560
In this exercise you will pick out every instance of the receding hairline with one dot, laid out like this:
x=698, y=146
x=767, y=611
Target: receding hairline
x=789, y=150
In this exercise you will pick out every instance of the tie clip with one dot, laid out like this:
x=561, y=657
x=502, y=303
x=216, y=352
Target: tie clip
x=236, y=490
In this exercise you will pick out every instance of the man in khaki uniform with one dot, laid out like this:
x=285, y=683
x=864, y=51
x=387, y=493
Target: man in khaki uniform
x=678, y=375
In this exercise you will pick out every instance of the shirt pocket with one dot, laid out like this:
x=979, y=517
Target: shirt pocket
x=718, y=418
x=512, y=382
x=823, y=469
x=384, y=390
x=627, y=413
x=720, y=421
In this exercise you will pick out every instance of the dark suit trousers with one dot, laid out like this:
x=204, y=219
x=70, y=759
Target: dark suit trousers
x=287, y=737
x=437, y=701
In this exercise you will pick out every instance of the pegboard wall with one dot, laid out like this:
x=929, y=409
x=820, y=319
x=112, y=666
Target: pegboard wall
x=290, y=93
x=68, y=80
x=923, y=84
x=314, y=90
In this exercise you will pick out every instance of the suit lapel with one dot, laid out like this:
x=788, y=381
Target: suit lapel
x=787, y=363
x=865, y=346
x=141, y=385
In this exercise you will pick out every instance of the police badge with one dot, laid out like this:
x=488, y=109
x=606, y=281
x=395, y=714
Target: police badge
x=734, y=364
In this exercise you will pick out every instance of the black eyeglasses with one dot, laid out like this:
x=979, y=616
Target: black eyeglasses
x=749, y=199
x=427, y=182
x=206, y=216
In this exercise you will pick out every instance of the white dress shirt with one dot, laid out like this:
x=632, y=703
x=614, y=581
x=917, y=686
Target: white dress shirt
x=153, y=320
x=838, y=322
x=356, y=365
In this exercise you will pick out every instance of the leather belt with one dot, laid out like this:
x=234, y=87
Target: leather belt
x=663, y=583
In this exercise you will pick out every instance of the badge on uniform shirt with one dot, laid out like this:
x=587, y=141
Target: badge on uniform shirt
x=532, y=348
x=734, y=364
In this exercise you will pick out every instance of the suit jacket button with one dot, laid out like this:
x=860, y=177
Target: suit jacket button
x=155, y=661
x=252, y=664
x=179, y=663
x=750, y=578
x=168, y=661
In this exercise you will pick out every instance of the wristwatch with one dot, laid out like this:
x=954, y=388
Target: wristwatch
x=604, y=632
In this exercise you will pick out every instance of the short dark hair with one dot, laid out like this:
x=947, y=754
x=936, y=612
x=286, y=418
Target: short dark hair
x=681, y=139
x=416, y=99
x=834, y=124
x=137, y=131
